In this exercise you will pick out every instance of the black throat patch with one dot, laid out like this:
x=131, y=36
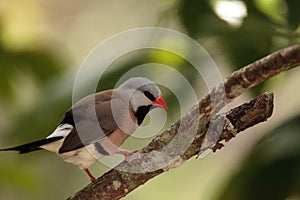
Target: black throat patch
x=141, y=113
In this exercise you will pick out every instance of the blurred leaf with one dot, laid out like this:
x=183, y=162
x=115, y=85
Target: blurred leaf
x=293, y=13
x=246, y=44
x=272, y=171
x=241, y=45
x=199, y=18
x=42, y=63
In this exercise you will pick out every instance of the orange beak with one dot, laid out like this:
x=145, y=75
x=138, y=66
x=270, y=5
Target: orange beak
x=160, y=102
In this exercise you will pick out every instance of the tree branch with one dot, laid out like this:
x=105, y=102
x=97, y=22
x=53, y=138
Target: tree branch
x=117, y=182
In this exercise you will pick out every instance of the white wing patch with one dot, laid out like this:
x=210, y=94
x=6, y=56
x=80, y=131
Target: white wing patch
x=83, y=157
x=61, y=130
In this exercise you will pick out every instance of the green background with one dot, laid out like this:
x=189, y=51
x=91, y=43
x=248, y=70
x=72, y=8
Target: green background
x=43, y=43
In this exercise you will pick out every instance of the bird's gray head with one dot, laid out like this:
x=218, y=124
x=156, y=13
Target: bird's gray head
x=143, y=95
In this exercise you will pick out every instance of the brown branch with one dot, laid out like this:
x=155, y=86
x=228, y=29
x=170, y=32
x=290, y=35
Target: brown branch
x=117, y=182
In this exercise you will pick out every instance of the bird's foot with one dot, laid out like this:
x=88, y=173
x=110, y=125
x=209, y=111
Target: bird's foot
x=127, y=154
x=87, y=171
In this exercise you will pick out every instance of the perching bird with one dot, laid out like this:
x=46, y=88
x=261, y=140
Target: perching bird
x=98, y=124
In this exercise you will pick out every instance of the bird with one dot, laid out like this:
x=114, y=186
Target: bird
x=98, y=124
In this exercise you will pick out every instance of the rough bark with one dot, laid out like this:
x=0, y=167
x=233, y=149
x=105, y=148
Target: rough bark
x=118, y=182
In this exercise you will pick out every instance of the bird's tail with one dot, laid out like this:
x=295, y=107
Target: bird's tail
x=32, y=146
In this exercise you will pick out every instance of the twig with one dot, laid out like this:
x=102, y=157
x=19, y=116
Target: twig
x=116, y=183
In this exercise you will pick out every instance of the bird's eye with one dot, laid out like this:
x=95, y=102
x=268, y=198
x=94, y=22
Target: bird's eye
x=149, y=95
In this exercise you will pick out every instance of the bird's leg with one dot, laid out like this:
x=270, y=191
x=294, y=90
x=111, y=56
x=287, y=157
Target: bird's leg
x=87, y=171
x=127, y=154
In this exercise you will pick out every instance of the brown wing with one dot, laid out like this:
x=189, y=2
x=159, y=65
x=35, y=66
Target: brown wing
x=89, y=126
